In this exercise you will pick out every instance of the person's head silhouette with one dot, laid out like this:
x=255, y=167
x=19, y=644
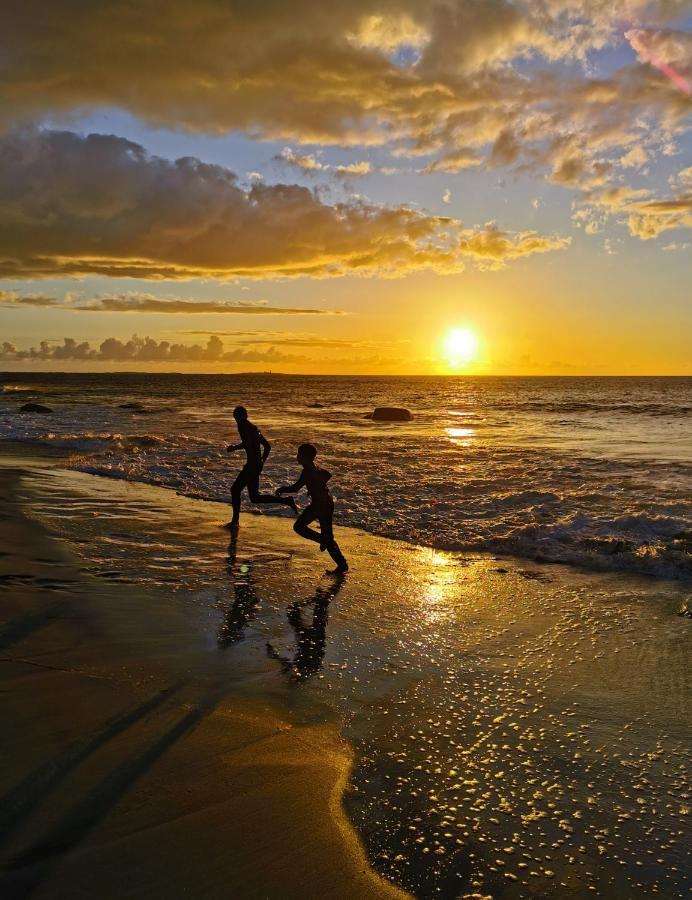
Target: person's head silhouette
x=240, y=414
x=306, y=454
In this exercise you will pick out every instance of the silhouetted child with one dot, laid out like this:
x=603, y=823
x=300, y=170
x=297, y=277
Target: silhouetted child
x=321, y=507
x=257, y=449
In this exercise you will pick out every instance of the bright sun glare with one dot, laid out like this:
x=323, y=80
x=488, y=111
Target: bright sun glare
x=461, y=346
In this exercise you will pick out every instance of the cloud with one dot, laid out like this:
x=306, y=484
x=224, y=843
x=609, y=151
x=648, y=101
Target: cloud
x=273, y=338
x=635, y=158
x=494, y=247
x=306, y=162
x=338, y=74
x=73, y=205
x=143, y=350
x=646, y=216
x=447, y=196
x=456, y=161
x=145, y=303
x=310, y=163
x=649, y=220
x=388, y=33
x=356, y=168
x=321, y=73
x=669, y=51
x=675, y=246
x=12, y=298
x=135, y=302
x=100, y=204
x=683, y=179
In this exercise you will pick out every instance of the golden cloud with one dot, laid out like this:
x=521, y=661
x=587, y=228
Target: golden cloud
x=135, y=302
x=310, y=164
x=330, y=73
x=145, y=303
x=494, y=247
x=645, y=215
x=100, y=204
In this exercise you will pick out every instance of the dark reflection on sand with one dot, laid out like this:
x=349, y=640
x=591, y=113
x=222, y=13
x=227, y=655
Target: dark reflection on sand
x=310, y=635
x=245, y=602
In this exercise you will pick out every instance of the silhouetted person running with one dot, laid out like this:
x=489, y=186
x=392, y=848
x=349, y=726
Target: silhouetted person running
x=321, y=506
x=257, y=449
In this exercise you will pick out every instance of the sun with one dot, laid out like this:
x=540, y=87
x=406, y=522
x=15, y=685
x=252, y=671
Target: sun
x=461, y=346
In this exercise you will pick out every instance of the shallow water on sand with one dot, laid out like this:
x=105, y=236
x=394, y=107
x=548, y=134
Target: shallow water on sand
x=519, y=730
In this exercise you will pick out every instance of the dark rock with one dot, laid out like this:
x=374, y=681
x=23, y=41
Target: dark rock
x=315, y=405
x=35, y=408
x=137, y=407
x=390, y=414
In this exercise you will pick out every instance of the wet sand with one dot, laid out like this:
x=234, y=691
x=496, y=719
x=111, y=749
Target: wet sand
x=127, y=767
x=191, y=717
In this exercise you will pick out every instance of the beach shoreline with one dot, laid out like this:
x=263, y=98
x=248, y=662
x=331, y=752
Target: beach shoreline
x=120, y=780
x=436, y=670
x=588, y=472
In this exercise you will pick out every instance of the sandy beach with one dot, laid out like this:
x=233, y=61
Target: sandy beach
x=127, y=768
x=185, y=717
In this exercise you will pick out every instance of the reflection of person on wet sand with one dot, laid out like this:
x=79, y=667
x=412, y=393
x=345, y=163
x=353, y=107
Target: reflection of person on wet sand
x=321, y=506
x=310, y=638
x=257, y=449
x=244, y=606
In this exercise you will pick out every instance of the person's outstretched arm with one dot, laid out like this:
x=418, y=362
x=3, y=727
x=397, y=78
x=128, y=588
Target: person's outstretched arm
x=267, y=446
x=293, y=488
x=233, y=447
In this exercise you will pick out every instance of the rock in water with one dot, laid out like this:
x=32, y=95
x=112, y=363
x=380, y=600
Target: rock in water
x=390, y=414
x=35, y=408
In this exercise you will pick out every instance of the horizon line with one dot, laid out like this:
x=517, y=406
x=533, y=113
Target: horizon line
x=9, y=372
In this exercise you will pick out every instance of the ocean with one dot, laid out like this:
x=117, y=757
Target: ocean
x=593, y=472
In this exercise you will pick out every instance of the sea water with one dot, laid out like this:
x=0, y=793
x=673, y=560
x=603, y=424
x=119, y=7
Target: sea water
x=595, y=472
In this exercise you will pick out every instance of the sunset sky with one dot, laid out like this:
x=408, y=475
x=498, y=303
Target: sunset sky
x=335, y=187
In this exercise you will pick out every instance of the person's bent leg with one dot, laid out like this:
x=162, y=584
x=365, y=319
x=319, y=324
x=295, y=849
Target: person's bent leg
x=300, y=526
x=256, y=497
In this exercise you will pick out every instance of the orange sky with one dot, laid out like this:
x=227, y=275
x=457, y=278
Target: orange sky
x=336, y=189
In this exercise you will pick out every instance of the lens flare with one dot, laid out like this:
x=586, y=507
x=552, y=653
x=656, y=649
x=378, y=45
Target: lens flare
x=641, y=41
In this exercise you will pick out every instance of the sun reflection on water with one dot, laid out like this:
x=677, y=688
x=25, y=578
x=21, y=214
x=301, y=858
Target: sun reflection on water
x=461, y=436
x=437, y=599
